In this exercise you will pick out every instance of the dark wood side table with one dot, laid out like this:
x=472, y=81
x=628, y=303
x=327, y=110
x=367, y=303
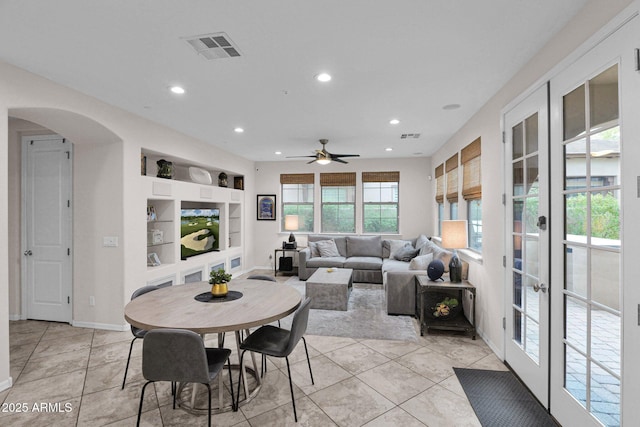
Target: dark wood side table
x=458, y=323
x=279, y=268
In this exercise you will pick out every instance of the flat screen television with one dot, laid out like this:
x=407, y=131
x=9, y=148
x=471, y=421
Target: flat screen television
x=199, y=231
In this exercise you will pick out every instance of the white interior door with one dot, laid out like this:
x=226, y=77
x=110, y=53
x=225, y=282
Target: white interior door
x=588, y=141
x=527, y=262
x=47, y=228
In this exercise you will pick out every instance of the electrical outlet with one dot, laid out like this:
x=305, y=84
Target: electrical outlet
x=110, y=242
x=92, y=300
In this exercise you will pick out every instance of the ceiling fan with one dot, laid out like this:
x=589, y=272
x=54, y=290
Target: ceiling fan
x=324, y=157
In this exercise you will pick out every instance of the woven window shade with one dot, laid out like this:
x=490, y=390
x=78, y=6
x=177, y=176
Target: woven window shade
x=440, y=184
x=380, y=176
x=472, y=174
x=297, y=178
x=451, y=168
x=338, y=179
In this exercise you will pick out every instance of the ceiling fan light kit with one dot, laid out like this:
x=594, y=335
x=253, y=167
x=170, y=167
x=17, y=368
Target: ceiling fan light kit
x=323, y=157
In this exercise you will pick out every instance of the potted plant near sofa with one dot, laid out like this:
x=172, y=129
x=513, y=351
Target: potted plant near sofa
x=218, y=280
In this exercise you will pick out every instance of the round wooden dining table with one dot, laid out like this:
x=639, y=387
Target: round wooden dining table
x=176, y=306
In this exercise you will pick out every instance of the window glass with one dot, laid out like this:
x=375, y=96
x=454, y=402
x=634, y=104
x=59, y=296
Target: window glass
x=338, y=209
x=297, y=199
x=380, y=210
x=475, y=224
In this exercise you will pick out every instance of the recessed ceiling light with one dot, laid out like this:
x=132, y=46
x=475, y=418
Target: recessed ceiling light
x=323, y=77
x=388, y=149
x=394, y=121
x=177, y=90
x=451, y=107
x=238, y=130
x=278, y=152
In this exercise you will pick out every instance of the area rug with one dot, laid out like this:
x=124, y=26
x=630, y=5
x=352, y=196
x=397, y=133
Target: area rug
x=500, y=399
x=366, y=317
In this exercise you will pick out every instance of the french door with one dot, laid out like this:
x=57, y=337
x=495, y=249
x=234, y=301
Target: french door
x=527, y=211
x=588, y=138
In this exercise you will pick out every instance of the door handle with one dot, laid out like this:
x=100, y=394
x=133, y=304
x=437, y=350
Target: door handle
x=28, y=252
x=540, y=287
x=542, y=222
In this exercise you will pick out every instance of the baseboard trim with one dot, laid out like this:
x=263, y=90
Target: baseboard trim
x=103, y=326
x=6, y=384
x=16, y=317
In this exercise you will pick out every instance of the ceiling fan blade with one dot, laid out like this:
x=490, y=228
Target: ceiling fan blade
x=295, y=157
x=345, y=155
x=312, y=161
x=335, y=159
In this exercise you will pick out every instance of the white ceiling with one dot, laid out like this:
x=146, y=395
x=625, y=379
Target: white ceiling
x=402, y=59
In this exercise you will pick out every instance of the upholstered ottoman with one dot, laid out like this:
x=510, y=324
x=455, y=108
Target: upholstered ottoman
x=329, y=289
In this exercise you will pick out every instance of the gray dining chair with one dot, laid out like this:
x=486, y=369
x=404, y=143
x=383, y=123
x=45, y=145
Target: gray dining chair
x=179, y=355
x=272, y=341
x=137, y=332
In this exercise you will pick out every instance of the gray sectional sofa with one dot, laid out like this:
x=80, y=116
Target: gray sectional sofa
x=392, y=262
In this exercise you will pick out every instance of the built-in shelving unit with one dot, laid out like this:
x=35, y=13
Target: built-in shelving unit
x=165, y=198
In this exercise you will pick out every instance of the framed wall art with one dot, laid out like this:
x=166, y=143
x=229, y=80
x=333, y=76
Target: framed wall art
x=266, y=207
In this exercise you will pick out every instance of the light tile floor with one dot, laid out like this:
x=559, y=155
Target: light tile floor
x=78, y=372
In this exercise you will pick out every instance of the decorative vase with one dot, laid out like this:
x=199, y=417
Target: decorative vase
x=219, y=290
x=165, y=169
x=222, y=180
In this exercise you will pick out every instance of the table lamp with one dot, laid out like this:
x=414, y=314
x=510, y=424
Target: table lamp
x=454, y=236
x=291, y=224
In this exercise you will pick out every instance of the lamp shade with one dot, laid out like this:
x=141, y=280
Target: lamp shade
x=454, y=234
x=291, y=222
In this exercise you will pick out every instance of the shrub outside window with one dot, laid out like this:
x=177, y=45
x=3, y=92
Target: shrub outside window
x=297, y=199
x=338, y=204
x=380, y=202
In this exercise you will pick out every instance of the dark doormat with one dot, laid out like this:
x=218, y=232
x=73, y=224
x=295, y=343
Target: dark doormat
x=499, y=399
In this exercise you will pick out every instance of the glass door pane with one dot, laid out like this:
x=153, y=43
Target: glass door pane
x=592, y=246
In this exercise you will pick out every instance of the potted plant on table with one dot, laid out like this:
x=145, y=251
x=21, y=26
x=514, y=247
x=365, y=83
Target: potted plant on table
x=218, y=280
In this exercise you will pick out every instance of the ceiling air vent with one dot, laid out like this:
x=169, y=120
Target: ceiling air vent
x=410, y=136
x=214, y=46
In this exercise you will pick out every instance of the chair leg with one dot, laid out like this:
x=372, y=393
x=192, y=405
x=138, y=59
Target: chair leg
x=239, y=381
x=293, y=398
x=233, y=402
x=128, y=360
x=142, y=400
x=308, y=361
x=209, y=411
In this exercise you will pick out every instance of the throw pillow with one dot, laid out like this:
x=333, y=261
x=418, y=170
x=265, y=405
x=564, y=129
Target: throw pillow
x=421, y=241
x=421, y=262
x=406, y=253
x=327, y=248
x=313, y=250
x=397, y=245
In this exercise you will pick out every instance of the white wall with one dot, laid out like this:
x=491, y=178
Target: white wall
x=488, y=275
x=416, y=192
x=108, y=197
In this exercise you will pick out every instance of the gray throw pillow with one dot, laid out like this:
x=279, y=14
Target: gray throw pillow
x=421, y=241
x=313, y=250
x=406, y=253
x=397, y=245
x=421, y=262
x=327, y=248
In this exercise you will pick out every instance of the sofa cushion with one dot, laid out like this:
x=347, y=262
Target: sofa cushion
x=364, y=246
x=438, y=253
x=363, y=263
x=406, y=253
x=341, y=241
x=389, y=244
x=394, y=265
x=421, y=262
x=397, y=246
x=336, y=261
x=327, y=248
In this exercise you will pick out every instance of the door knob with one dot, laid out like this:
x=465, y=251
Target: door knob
x=28, y=252
x=540, y=287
